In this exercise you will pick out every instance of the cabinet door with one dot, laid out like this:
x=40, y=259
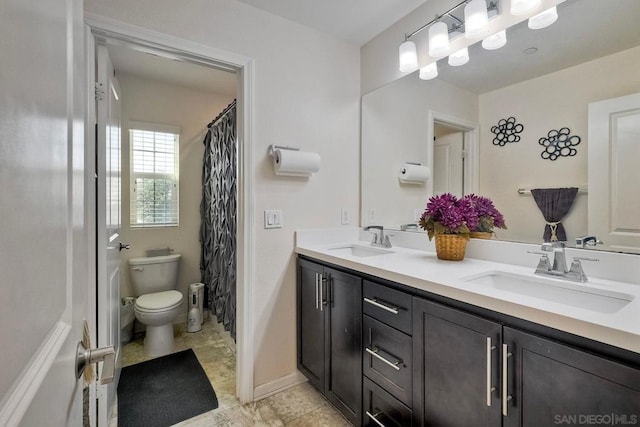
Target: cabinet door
x=549, y=383
x=382, y=409
x=455, y=357
x=311, y=324
x=344, y=382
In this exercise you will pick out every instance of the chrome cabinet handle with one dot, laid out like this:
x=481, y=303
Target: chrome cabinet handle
x=138, y=268
x=490, y=389
x=375, y=302
x=320, y=280
x=374, y=352
x=505, y=398
x=316, y=291
x=373, y=417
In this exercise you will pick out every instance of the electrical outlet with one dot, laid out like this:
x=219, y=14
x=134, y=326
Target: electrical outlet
x=345, y=218
x=417, y=213
x=372, y=215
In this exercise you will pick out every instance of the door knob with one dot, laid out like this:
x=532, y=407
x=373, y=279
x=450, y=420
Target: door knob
x=106, y=355
x=124, y=246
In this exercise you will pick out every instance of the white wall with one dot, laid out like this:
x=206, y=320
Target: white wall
x=552, y=101
x=145, y=100
x=394, y=131
x=307, y=89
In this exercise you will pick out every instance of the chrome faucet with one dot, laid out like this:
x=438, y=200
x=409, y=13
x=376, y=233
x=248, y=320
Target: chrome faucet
x=558, y=267
x=585, y=241
x=379, y=239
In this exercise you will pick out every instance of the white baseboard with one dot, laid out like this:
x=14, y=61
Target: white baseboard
x=275, y=386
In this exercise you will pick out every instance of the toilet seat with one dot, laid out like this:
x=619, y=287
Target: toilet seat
x=158, y=301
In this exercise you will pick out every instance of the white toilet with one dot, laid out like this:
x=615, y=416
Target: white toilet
x=154, y=281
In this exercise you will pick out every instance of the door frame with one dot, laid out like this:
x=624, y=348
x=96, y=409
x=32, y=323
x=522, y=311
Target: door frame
x=169, y=46
x=471, y=150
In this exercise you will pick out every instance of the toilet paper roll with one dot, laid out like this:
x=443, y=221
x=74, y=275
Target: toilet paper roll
x=295, y=163
x=414, y=174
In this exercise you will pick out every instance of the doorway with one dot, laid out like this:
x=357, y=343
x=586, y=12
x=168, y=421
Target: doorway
x=178, y=50
x=454, y=164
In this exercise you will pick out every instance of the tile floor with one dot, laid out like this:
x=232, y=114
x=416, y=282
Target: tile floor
x=301, y=405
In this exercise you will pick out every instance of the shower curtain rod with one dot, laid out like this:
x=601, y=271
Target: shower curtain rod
x=222, y=114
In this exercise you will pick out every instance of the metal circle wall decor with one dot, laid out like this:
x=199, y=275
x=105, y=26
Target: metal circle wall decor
x=559, y=143
x=506, y=130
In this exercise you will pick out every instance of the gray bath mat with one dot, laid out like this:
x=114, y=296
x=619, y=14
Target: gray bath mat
x=164, y=391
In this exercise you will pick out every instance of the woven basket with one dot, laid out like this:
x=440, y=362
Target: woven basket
x=481, y=235
x=450, y=247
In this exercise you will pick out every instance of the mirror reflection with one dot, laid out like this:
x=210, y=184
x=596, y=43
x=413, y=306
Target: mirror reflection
x=542, y=81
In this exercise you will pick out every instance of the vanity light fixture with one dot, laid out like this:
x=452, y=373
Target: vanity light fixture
x=476, y=15
x=429, y=72
x=408, y=57
x=522, y=7
x=438, y=40
x=495, y=41
x=543, y=19
x=476, y=19
x=459, y=57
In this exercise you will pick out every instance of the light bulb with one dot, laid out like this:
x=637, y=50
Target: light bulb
x=544, y=19
x=459, y=57
x=408, y=57
x=438, y=40
x=475, y=19
x=429, y=72
x=522, y=7
x=495, y=41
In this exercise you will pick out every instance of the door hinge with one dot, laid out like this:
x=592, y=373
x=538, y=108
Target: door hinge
x=98, y=91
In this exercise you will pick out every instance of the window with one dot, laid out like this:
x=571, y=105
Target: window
x=154, y=175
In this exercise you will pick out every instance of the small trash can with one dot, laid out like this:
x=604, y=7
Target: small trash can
x=127, y=318
x=195, y=315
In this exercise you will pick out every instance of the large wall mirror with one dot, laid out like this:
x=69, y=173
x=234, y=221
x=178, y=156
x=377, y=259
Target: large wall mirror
x=546, y=79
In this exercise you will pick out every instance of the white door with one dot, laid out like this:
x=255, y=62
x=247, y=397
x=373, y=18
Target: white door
x=448, y=166
x=108, y=156
x=614, y=151
x=43, y=250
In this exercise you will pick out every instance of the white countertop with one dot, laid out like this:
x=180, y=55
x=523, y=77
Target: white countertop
x=422, y=270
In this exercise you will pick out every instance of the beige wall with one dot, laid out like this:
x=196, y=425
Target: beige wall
x=394, y=131
x=151, y=101
x=307, y=94
x=552, y=101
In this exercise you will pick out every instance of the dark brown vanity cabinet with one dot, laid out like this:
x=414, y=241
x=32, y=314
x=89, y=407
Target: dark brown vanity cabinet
x=456, y=358
x=549, y=383
x=386, y=357
x=329, y=307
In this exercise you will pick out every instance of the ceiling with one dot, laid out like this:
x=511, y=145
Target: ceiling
x=137, y=63
x=355, y=21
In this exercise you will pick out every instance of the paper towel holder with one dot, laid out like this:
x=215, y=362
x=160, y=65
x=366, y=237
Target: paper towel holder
x=273, y=147
x=420, y=180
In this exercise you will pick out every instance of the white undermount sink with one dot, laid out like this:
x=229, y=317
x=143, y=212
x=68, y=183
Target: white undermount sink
x=555, y=290
x=359, y=251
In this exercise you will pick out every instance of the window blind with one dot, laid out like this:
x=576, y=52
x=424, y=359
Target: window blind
x=154, y=178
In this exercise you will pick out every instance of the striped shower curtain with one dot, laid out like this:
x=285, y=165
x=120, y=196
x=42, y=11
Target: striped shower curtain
x=218, y=213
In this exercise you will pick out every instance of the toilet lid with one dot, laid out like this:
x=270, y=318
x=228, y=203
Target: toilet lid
x=159, y=300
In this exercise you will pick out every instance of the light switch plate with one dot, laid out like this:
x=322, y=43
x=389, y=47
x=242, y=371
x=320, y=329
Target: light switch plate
x=272, y=218
x=372, y=215
x=417, y=213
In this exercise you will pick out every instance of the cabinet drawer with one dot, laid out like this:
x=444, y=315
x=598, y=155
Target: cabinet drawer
x=386, y=358
x=380, y=405
x=387, y=305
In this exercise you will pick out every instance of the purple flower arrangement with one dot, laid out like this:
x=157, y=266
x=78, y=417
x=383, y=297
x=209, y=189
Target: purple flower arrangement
x=488, y=216
x=447, y=214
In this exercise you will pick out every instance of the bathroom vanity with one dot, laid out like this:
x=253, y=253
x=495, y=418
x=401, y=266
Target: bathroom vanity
x=399, y=338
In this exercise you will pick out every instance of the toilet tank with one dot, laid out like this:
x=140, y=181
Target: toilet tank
x=154, y=274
